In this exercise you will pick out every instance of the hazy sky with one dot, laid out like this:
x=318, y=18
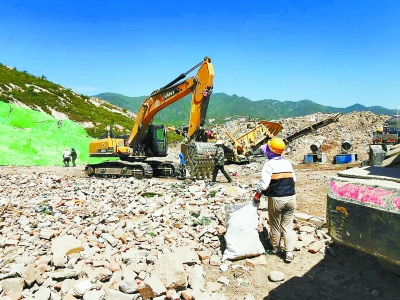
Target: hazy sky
x=333, y=52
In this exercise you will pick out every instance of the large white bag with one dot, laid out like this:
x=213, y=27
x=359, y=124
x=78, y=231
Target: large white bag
x=241, y=235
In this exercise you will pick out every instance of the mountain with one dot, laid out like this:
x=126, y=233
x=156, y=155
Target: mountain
x=223, y=106
x=40, y=94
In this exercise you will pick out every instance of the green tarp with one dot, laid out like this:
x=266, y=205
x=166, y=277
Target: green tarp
x=32, y=138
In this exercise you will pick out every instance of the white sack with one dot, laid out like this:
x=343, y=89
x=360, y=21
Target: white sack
x=241, y=235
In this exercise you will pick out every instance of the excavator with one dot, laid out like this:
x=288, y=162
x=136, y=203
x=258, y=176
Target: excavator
x=149, y=140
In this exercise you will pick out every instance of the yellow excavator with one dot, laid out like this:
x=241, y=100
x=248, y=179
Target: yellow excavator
x=149, y=140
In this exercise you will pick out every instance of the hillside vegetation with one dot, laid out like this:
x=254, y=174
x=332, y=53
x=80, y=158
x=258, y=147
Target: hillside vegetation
x=39, y=94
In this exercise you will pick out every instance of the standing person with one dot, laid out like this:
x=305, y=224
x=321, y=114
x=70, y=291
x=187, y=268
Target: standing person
x=66, y=157
x=219, y=160
x=182, y=165
x=74, y=156
x=278, y=184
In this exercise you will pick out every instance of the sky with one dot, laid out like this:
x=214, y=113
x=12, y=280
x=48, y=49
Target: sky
x=333, y=52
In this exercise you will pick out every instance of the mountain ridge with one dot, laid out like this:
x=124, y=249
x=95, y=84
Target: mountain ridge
x=223, y=106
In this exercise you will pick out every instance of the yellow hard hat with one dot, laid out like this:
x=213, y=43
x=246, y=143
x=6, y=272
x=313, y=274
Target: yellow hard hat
x=276, y=145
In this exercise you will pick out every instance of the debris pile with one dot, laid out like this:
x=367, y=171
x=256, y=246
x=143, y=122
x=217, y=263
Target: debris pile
x=356, y=127
x=80, y=238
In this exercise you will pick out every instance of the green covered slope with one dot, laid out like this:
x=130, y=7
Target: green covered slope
x=32, y=138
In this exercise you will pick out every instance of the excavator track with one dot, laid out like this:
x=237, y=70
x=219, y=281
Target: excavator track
x=113, y=169
x=163, y=168
x=198, y=160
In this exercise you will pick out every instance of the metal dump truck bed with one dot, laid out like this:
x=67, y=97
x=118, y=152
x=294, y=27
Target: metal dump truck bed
x=363, y=211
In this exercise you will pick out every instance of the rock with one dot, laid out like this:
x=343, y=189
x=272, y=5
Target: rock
x=311, y=219
x=114, y=266
x=187, y=294
x=307, y=229
x=316, y=246
x=196, y=278
x=223, y=267
x=80, y=288
x=170, y=271
x=186, y=255
x=307, y=239
x=43, y=294
x=94, y=295
x=128, y=286
x=275, y=276
x=223, y=280
x=29, y=274
x=204, y=254
x=156, y=285
x=116, y=295
x=215, y=260
x=375, y=293
x=63, y=274
x=258, y=260
x=13, y=285
x=145, y=291
x=65, y=245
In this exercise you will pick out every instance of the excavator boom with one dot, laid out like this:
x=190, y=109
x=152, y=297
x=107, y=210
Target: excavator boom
x=201, y=88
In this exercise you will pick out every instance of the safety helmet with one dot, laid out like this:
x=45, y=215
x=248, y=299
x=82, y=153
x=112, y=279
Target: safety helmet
x=219, y=142
x=66, y=148
x=276, y=145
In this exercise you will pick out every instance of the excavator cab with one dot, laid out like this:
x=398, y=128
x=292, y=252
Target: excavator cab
x=155, y=141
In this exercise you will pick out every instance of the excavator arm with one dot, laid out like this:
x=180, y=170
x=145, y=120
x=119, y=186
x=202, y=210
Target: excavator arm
x=137, y=145
x=200, y=86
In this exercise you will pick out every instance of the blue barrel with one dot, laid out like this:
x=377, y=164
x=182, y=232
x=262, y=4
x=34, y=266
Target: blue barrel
x=343, y=158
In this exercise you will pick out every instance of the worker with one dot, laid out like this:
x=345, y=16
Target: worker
x=74, y=156
x=278, y=184
x=219, y=159
x=182, y=165
x=66, y=157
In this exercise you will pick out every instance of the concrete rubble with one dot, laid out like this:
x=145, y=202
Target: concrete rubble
x=356, y=127
x=123, y=238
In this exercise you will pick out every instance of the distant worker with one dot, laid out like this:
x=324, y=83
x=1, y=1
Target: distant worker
x=219, y=160
x=182, y=165
x=278, y=184
x=66, y=157
x=74, y=156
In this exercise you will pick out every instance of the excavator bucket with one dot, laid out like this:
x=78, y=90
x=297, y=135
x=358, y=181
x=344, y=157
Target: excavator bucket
x=198, y=160
x=273, y=127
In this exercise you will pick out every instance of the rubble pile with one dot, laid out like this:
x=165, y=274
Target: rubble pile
x=356, y=127
x=123, y=238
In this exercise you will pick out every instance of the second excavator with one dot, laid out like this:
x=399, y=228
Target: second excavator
x=149, y=140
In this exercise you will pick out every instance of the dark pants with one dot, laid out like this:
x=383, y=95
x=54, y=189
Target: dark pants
x=182, y=170
x=215, y=172
x=66, y=162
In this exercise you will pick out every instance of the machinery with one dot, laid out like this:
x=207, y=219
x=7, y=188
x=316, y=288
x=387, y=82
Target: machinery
x=241, y=149
x=316, y=154
x=149, y=140
x=363, y=204
x=345, y=156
